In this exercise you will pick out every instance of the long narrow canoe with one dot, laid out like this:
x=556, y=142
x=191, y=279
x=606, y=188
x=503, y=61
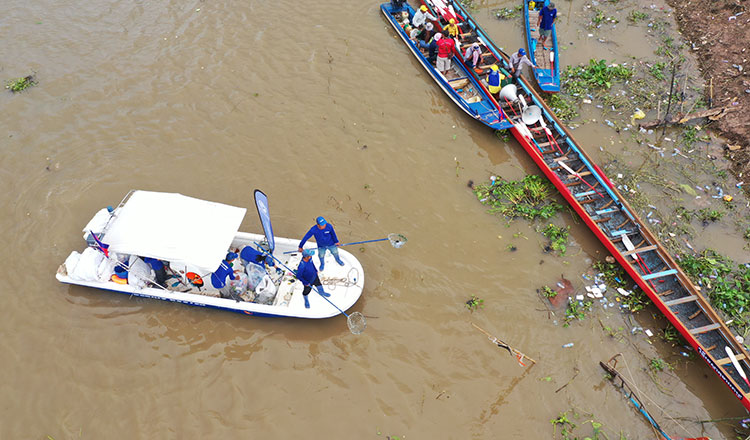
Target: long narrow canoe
x=546, y=56
x=609, y=216
x=459, y=84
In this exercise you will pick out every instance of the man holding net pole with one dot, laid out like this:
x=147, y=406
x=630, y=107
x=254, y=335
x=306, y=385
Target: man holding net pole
x=307, y=274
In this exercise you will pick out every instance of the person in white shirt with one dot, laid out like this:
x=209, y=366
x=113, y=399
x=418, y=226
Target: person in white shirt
x=421, y=16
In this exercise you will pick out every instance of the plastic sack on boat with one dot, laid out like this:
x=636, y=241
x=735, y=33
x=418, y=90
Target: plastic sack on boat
x=140, y=273
x=265, y=291
x=239, y=283
x=71, y=262
x=106, y=269
x=255, y=274
x=88, y=263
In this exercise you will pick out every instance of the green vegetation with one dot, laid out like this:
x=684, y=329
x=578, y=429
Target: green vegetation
x=658, y=364
x=657, y=70
x=576, y=310
x=746, y=235
x=636, y=16
x=567, y=427
x=20, y=84
x=558, y=237
x=529, y=198
x=690, y=136
x=596, y=75
x=599, y=18
x=726, y=283
x=508, y=13
x=707, y=215
x=474, y=303
x=548, y=292
x=563, y=107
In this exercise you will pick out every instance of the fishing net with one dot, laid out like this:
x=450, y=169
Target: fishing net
x=356, y=322
x=397, y=240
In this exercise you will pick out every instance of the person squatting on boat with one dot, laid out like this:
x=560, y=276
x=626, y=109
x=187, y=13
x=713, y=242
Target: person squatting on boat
x=475, y=53
x=517, y=61
x=545, y=21
x=308, y=276
x=421, y=17
x=326, y=239
x=219, y=276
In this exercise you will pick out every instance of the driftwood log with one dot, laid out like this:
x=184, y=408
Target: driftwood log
x=681, y=118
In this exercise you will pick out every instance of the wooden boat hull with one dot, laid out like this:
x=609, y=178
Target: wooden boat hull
x=547, y=57
x=482, y=109
x=608, y=215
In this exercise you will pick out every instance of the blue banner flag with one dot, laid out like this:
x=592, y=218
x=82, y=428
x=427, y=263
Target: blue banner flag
x=261, y=202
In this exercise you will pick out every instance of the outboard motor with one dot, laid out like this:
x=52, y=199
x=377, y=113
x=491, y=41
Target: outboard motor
x=397, y=4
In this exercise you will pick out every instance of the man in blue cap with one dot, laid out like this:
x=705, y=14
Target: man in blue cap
x=326, y=239
x=249, y=255
x=308, y=276
x=219, y=277
x=517, y=61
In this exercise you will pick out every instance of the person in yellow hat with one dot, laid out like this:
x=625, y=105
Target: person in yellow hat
x=421, y=16
x=494, y=79
x=452, y=29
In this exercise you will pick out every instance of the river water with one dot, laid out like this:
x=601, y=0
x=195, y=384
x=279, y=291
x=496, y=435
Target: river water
x=324, y=109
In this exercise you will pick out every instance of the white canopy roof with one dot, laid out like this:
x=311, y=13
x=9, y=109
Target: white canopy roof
x=174, y=228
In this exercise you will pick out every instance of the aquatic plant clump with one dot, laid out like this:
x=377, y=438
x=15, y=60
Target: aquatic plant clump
x=726, y=283
x=558, y=237
x=614, y=276
x=529, y=198
x=597, y=74
x=20, y=84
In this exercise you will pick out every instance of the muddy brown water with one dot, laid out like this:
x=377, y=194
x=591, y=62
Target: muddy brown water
x=323, y=108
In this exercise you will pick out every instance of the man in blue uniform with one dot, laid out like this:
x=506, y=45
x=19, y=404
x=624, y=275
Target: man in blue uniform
x=545, y=21
x=249, y=254
x=308, y=276
x=326, y=239
x=219, y=277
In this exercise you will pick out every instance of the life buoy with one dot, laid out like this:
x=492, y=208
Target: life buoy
x=119, y=280
x=194, y=279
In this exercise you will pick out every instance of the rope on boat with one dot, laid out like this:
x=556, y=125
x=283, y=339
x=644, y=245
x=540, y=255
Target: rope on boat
x=350, y=280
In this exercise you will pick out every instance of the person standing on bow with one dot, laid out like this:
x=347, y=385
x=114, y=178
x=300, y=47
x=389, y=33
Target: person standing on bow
x=308, y=276
x=517, y=61
x=326, y=239
x=545, y=21
x=421, y=17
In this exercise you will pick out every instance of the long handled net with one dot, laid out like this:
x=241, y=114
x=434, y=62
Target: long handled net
x=356, y=322
x=397, y=240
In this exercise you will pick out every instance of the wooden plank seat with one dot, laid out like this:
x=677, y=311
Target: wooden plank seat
x=704, y=329
x=728, y=360
x=639, y=250
x=683, y=300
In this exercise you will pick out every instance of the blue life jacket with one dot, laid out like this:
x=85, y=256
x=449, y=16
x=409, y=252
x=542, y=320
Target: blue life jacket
x=494, y=78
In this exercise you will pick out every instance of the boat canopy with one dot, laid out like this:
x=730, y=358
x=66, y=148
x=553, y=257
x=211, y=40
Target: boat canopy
x=174, y=228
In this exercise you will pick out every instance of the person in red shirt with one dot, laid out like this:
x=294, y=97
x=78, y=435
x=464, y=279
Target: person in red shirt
x=445, y=53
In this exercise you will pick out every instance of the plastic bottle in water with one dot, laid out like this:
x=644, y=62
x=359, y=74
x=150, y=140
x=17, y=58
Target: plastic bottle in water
x=568, y=345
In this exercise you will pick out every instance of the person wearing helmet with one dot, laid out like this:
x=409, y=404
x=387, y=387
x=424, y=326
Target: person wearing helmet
x=545, y=21
x=517, y=61
x=326, y=239
x=452, y=29
x=494, y=80
x=433, y=48
x=421, y=16
x=308, y=276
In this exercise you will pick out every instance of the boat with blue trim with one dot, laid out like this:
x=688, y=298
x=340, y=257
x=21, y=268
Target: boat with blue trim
x=608, y=215
x=545, y=56
x=461, y=86
x=190, y=238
